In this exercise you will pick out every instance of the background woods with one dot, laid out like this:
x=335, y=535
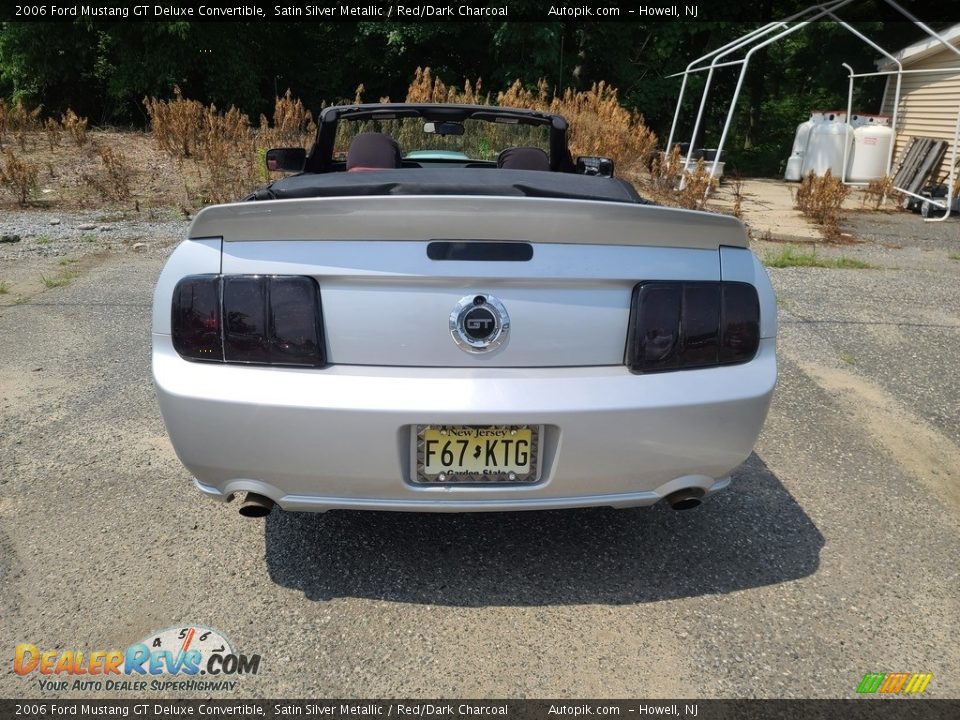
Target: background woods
x=103, y=70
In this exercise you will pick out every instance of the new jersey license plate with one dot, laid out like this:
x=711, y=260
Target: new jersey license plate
x=455, y=454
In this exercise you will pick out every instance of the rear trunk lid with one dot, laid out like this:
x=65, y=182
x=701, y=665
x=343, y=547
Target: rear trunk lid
x=386, y=302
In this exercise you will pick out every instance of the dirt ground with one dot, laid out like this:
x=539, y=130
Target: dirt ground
x=67, y=171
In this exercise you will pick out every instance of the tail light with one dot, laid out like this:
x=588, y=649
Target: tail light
x=196, y=318
x=252, y=319
x=686, y=325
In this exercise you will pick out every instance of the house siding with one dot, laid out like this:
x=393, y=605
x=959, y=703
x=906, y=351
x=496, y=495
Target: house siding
x=929, y=103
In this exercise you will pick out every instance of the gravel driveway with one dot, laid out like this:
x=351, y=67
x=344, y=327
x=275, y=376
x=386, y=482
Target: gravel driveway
x=834, y=553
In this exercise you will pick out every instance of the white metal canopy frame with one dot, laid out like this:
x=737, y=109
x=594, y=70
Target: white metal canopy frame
x=759, y=38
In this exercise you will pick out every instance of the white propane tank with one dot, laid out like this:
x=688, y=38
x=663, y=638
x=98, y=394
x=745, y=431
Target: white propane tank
x=871, y=148
x=825, y=151
x=794, y=171
x=803, y=132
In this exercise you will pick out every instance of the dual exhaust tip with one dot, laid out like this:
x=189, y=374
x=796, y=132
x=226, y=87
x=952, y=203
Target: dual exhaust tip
x=258, y=506
x=685, y=499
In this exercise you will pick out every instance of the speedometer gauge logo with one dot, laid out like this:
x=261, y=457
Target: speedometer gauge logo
x=479, y=323
x=204, y=640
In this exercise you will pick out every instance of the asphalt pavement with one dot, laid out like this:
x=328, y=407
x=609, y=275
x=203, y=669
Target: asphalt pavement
x=834, y=553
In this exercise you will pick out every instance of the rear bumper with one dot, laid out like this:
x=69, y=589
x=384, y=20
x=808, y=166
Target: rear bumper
x=341, y=437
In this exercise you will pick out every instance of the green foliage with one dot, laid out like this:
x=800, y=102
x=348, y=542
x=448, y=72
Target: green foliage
x=262, y=173
x=62, y=279
x=103, y=70
x=795, y=257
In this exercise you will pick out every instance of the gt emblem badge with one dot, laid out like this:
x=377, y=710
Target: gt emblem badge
x=479, y=323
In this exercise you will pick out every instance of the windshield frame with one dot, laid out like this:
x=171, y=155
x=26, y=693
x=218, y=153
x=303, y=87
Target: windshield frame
x=321, y=158
x=480, y=142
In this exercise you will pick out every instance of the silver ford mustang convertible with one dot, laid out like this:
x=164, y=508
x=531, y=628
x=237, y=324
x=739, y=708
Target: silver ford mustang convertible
x=441, y=310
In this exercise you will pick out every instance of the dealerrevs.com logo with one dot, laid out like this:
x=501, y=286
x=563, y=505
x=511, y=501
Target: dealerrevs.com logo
x=192, y=657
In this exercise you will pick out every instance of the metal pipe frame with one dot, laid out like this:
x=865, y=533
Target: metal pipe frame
x=846, y=145
x=956, y=135
x=703, y=69
x=931, y=71
x=923, y=26
x=956, y=132
x=724, y=50
x=826, y=12
x=896, y=99
x=953, y=176
x=686, y=73
x=759, y=39
x=691, y=67
x=823, y=11
x=730, y=47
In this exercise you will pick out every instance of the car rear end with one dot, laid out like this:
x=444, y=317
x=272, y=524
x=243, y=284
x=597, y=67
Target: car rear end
x=461, y=353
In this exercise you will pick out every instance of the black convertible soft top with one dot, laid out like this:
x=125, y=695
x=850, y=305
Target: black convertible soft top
x=450, y=181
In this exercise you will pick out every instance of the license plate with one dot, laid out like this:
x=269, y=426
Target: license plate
x=455, y=454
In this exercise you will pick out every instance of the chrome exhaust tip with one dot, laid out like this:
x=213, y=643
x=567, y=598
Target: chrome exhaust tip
x=685, y=499
x=256, y=506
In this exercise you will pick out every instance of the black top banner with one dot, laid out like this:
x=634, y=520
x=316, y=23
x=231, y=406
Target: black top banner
x=444, y=709
x=415, y=11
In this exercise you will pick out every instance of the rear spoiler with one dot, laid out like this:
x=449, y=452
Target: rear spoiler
x=453, y=217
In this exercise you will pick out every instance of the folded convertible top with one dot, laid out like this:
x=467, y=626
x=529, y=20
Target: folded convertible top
x=450, y=181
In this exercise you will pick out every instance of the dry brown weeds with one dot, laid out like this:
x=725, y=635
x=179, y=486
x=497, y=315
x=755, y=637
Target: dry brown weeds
x=112, y=180
x=877, y=192
x=76, y=126
x=820, y=198
x=54, y=133
x=696, y=187
x=4, y=122
x=293, y=125
x=736, y=189
x=18, y=176
x=670, y=183
x=225, y=153
x=598, y=123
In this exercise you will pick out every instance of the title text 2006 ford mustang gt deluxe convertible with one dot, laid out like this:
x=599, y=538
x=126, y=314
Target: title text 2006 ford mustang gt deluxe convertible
x=477, y=324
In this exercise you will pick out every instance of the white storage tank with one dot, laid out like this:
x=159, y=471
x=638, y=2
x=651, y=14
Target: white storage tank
x=871, y=149
x=794, y=170
x=860, y=119
x=803, y=132
x=825, y=150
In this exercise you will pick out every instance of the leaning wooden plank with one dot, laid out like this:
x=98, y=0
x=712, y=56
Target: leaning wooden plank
x=930, y=163
x=907, y=161
x=905, y=155
x=923, y=147
x=908, y=165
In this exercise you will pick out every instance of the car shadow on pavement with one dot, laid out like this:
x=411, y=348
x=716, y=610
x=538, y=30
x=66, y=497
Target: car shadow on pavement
x=750, y=535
